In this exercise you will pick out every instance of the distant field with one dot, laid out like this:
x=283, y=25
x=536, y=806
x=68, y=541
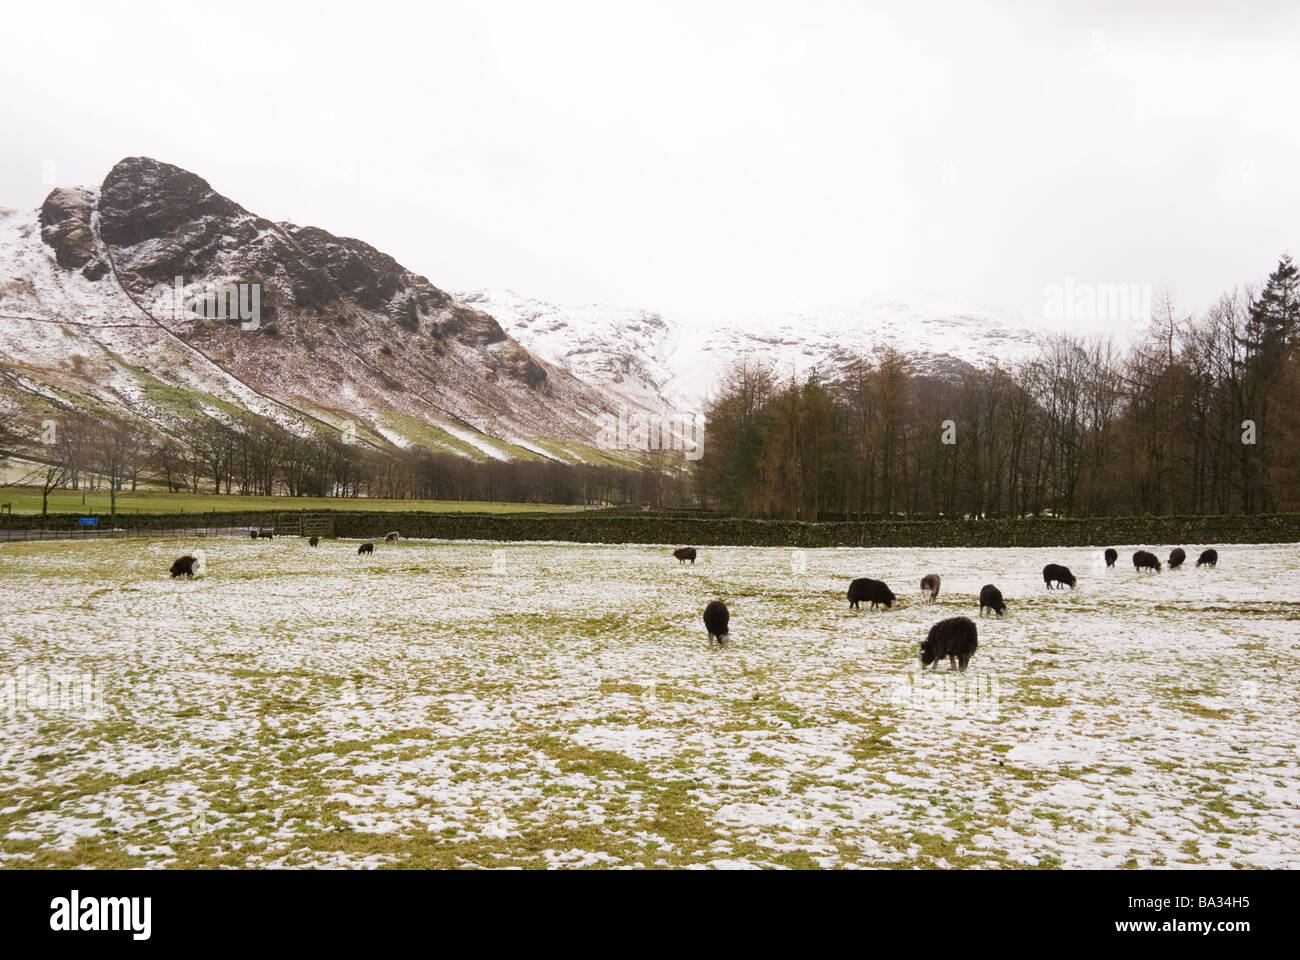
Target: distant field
x=28, y=500
x=541, y=705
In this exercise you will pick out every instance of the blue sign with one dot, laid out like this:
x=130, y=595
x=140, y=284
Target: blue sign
x=88, y=521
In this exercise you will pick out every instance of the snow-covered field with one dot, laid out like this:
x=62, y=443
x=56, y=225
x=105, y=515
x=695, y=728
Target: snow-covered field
x=471, y=704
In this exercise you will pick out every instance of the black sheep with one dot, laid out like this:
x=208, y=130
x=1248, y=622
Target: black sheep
x=1176, y=558
x=1208, y=558
x=716, y=618
x=252, y=534
x=685, y=553
x=314, y=541
x=266, y=534
x=1111, y=556
x=1054, y=573
x=991, y=597
x=366, y=548
x=955, y=638
x=872, y=591
x=930, y=587
x=1146, y=560
x=185, y=566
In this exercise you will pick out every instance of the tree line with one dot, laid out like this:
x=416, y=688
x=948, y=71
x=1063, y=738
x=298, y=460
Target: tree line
x=1199, y=415
x=251, y=456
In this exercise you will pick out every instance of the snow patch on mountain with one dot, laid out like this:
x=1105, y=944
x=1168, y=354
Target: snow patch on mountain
x=623, y=350
x=646, y=358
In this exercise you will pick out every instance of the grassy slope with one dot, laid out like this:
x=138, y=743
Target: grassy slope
x=28, y=500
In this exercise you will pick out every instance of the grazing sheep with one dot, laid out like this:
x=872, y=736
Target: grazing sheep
x=955, y=638
x=185, y=566
x=991, y=597
x=1146, y=560
x=685, y=553
x=1054, y=573
x=930, y=587
x=392, y=536
x=1209, y=558
x=1111, y=556
x=314, y=542
x=1176, y=558
x=873, y=591
x=366, y=548
x=716, y=618
x=266, y=534
x=252, y=534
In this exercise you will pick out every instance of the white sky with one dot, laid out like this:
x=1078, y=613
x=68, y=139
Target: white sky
x=700, y=158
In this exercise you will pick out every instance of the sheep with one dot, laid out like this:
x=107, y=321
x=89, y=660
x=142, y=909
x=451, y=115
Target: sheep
x=716, y=618
x=1055, y=573
x=685, y=553
x=955, y=638
x=930, y=587
x=1176, y=558
x=186, y=566
x=991, y=597
x=314, y=542
x=266, y=534
x=1146, y=560
x=392, y=536
x=366, y=548
x=253, y=533
x=1208, y=558
x=864, y=588
x=1111, y=556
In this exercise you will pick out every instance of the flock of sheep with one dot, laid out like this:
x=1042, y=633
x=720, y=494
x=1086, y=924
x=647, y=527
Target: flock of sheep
x=189, y=566
x=955, y=638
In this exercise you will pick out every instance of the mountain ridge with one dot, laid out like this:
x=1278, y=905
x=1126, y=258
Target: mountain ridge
x=347, y=340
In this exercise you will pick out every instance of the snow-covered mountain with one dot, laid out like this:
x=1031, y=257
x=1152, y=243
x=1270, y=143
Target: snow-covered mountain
x=626, y=351
x=347, y=340
x=647, y=358
x=350, y=342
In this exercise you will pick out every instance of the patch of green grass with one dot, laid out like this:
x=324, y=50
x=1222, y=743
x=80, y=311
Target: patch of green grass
x=28, y=500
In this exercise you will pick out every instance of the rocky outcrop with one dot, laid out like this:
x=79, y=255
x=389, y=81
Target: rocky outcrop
x=66, y=228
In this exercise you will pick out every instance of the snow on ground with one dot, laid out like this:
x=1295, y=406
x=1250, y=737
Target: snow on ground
x=476, y=440
x=477, y=704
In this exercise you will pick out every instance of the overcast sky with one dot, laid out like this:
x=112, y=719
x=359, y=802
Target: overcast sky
x=700, y=158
